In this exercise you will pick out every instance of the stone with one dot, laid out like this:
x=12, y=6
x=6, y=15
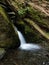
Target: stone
x=8, y=37
x=2, y=52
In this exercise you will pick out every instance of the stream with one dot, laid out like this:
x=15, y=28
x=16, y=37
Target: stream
x=24, y=45
x=26, y=54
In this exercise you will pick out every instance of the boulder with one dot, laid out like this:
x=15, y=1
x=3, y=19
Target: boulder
x=2, y=52
x=8, y=37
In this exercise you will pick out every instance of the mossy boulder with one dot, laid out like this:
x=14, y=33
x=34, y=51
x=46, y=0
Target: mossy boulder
x=8, y=37
x=2, y=52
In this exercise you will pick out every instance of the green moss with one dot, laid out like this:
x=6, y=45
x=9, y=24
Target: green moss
x=8, y=37
x=38, y=17
x=32, y=36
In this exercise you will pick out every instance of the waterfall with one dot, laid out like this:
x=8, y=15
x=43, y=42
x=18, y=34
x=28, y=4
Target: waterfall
x=22, y=39
x=24, y=45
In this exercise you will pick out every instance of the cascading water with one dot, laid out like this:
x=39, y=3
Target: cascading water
x=24, y=45
x=22, y=39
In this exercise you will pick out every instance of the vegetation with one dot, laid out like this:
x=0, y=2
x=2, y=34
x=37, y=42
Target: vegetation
x=31, y=17
x=7, y=32
x=22, y=14
x=23, y=10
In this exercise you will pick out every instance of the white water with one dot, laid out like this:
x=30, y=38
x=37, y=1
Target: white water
x=24, y=45
x=22, y=39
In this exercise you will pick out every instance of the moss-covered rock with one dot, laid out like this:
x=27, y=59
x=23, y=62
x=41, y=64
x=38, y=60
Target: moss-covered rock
x=2, y=52
x=20, y=25
x=8, y=37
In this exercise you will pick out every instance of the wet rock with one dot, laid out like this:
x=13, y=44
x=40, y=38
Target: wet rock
x=2, y=52
x=8, y=37
x=20, y=25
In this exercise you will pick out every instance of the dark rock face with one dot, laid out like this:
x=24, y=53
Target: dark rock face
x=2, y=52
x=8, y=37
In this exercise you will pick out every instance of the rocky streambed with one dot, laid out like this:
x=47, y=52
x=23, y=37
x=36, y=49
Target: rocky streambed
x=20, y=57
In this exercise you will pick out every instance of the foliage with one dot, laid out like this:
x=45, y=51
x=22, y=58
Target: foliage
x=23, y=11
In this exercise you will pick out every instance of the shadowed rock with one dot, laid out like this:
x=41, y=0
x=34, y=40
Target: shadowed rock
x=8, y=37
x=2, y=52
